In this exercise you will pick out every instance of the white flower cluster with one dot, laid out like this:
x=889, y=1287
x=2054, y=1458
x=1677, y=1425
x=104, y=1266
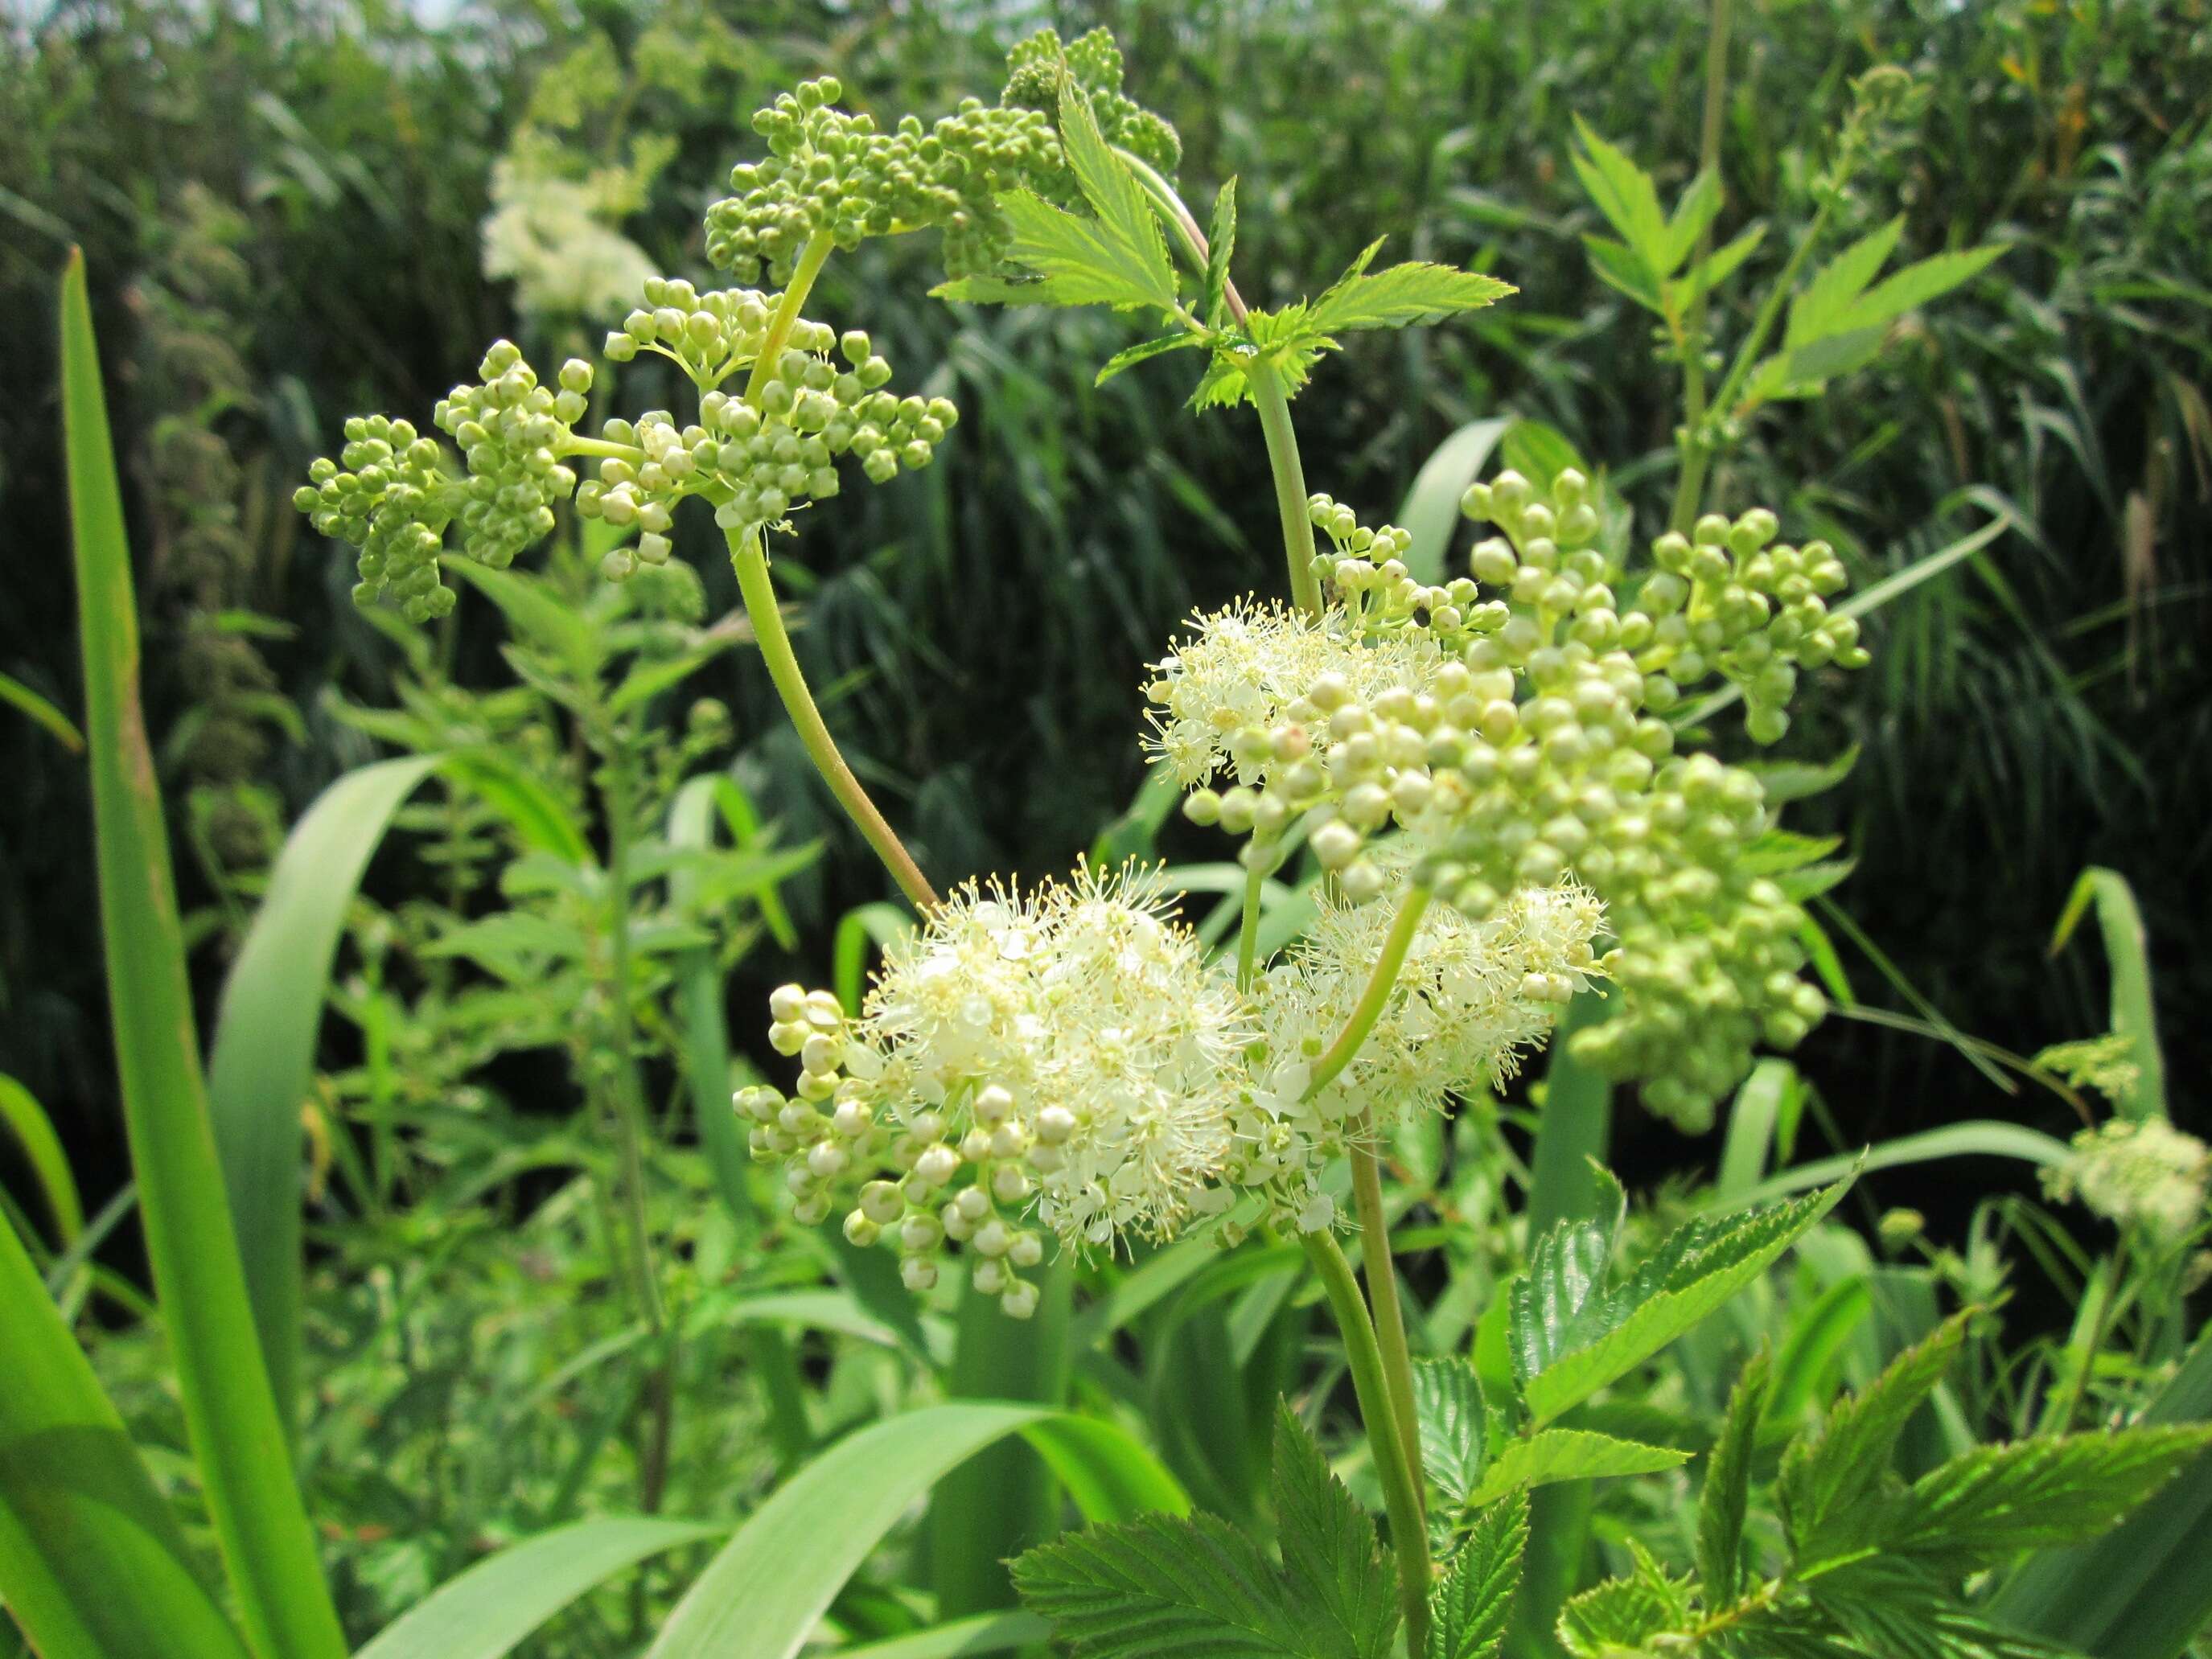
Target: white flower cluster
x=556, y=239
x=1069, y=1052
x=1244, y=674
x=1070, y=1044
x=1472, y=997
x=2137, y=1172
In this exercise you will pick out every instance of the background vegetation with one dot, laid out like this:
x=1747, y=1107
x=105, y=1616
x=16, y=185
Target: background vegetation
x=283, y=218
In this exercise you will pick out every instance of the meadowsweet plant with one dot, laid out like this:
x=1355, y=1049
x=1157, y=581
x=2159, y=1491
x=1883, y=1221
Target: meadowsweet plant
x=1494, y=772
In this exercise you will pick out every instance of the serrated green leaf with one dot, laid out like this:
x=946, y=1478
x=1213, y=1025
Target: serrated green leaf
x=1449, y=1408
x=1125, y=213
x=1623, y=192
x=1695, y=213
x=1698, y=1268
x=1827, y=1481
x=1783, y=781
x=1551, y=1456
x=1080, y=261
x=1918, y=283
x=1470, y=1605
x=1220, y=245
x=1836, y=287
x=1620, y=1618
x=1560, y=1303
x=1717, y=267
x=1003, y=291
x=1987, y=1504
x=1164, y=1587
x=1777, y=851
x=1329, y=1545
x=1416, y=292
x=1721, y=1505
x=1130, y=356
x=1617, y=266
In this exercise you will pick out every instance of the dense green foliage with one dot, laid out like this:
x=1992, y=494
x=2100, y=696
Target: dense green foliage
x=494, y=862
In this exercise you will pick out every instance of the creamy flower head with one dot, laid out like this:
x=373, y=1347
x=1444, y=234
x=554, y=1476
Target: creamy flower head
x=1473, y=995
x=555, y=238
x=1095, y=1012
x=2142, y=1172
x=1249, y=664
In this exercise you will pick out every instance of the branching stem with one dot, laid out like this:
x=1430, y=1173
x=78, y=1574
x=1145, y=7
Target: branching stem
x=750, y=555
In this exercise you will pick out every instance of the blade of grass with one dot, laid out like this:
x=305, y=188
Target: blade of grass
x=93, y=1563
x=998, y=1504
x=495, y=1605
x=26, y=1120
x=964, y=1638
x=2127, y=954
x=1430, y=513
x=765, y=1590
x=262, y=1066
x=15, y=693
x=236, y=1432
x=1982, y=1137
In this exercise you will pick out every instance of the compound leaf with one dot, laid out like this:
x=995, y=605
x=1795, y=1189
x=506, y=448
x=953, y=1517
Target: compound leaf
x=1469, y=1608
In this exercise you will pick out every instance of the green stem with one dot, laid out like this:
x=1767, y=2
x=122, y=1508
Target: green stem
x=1386, y=1443
x=1369, y=1008
x=1274, y=406
x=630, y=1113
x=751, y=558
x=1382, y=1292
x=1689, y=488
x=603, y=448
x=1268, y=395
x=811, y=258
x=1261, y=854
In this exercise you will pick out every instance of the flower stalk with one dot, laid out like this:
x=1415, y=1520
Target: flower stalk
x=750, y=557
x=1389, y=1437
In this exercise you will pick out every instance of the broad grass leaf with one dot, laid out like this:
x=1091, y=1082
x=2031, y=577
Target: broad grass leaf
x=494, y=1607
x=236, y=1432
x=92, y=1562
x=261, y=1066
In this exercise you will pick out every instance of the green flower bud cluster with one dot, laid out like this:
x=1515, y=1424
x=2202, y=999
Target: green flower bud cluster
x=708, y=336
x=912, y=1184
x=389, y=494
x=1365, y=572
x=833, y=173
x=1722, y=599
x=758, y=461
x=1488, y=747
x=1033, y=71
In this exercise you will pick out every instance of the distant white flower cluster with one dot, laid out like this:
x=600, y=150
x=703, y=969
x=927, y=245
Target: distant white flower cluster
x=556, y=239
x=2137, y=1173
